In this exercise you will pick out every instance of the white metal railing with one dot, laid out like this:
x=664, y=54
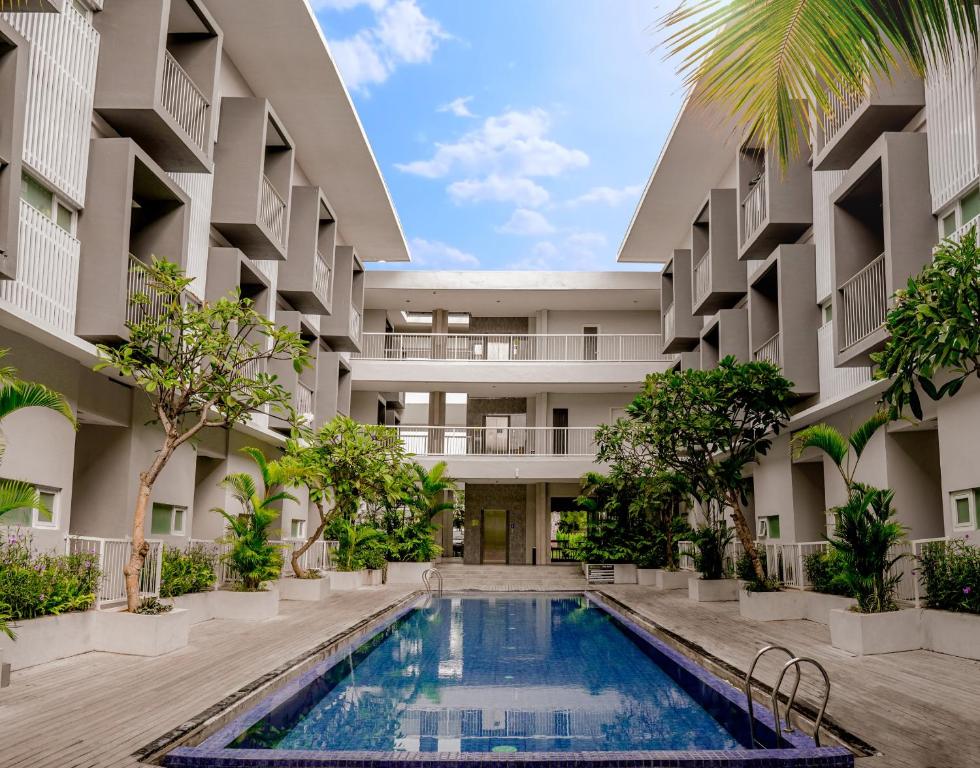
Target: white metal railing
x=113, y=554
x=199, y=188
x=685, y=555
x=910, y=586
x=702, y=278
x=864, y=303
x=669, y=322
x=184, y=101
x=252, y=368
x=498, y=441
x=304, y=398
x=272, y=210
x=754, y=209
x=355, y=323
x=842, y=108
x=792, y=561
x=138, y=284
x=63, y=60
x=322, y=277
x=768, y=351
x=961, y=231
x=514, y=347
x=47, y=272
x=836, y=382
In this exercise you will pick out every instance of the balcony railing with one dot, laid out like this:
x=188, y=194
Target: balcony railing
x=272, y=210
x=514, y=347
x=754, y=210
x=840, y=111
x=768, y=351
x=864, y=303
x=184, y=100
x=321, y=277
x=961, y=231
x=355, y=323
x=112, y=555
x=669, y=322
x=138, y=283
x=702, y=278
x=304, y=398
x=498, y=441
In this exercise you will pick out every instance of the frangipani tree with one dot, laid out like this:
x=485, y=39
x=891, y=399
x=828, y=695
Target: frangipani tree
x=200, y=367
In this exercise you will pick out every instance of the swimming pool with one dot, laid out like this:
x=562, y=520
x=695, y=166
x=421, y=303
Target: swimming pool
x=537, y=679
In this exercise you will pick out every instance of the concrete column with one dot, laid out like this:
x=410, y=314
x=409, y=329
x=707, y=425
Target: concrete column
x=440, y=324
x=541, y=420
x=437, y=418
x=542, y=527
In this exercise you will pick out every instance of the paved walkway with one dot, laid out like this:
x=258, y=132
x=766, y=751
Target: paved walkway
x=919, y=709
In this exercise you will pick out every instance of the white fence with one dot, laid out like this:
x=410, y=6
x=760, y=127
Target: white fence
x=754, y=209
x=113, y=554
x=199, y=188
x=702, y=278
x=842, y=107
x=355, y=323
x=498, y=441
x=184, y=100
x=768, y=351
x=669, y=322
x=322, y=277
x=636, y=347
x=272, y=210
x=864, y=303
x=138, y=283
x=304, y=398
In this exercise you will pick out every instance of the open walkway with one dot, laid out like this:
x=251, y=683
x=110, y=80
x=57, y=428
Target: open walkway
x=919, y=709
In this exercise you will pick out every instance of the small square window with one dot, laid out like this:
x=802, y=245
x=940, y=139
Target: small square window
x=64, y=218
x=773, y=526
x=828, y=313
x=45, y=516
x=46, y=513
x=178, y=524
x=36, y=195
x=963, y=510
x=160, y=519
x=970, y=206
x=297, y=529
x=949, y=224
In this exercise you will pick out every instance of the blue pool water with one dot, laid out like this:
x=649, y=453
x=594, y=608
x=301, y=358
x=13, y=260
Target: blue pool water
x=506, y=674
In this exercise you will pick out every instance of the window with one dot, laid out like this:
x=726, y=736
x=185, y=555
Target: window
x=970, y=206
x=828, y=312
x=44, y=516
x=949, y=224
x=297, y=529
x=36, y=195
x=167, y=520
x=964, y=510
x=768, y=527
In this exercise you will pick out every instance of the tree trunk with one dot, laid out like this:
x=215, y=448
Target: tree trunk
x=744, y=534
x=298, y=553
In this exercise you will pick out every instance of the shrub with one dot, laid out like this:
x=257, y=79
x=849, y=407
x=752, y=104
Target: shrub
x=746, y=572
x=150, y=606
x=360, y=546
x=190, y=570
x=710, y=542
x=825, y=572
x=39, y=584
x=951, y=576
x=413, y=543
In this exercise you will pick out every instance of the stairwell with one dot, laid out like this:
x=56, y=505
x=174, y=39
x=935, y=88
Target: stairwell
x=513, y=578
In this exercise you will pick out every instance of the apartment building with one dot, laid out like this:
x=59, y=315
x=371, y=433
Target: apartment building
x=796, y=265
x=505, y=376
x=214, y=133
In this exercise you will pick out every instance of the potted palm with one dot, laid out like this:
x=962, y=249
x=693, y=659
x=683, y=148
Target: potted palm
x=360, y=551
x=412, y=549
x=710, y=542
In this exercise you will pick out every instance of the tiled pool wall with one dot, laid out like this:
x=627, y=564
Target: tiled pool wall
x=720, y=699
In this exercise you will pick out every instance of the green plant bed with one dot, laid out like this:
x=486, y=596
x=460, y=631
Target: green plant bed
x=950, y=573
x=187, y=571
x=825, y=572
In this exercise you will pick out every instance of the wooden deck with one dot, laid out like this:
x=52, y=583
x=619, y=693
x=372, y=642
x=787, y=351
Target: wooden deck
x=94, y=711
x=919, y=709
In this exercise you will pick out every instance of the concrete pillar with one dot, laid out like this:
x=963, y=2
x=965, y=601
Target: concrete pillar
x=542, y=524
x=440, y=325
x=541, y=420
x=437, y=418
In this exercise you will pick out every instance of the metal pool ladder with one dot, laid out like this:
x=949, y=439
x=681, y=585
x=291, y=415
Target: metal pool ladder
x=794, y=663
x=427, y=577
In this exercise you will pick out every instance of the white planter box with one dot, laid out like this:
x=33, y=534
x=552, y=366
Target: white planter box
x=659, y=578
x=137, y=635
x=245, y=606
x=772, y=606
x=957, y=634
x=624, y=574
x=712, y=590
x=199, y=605
x=342, y=581
x=407, y=573
x=870, y=633
x=49, y=638
x=308, y=590
x=374, y=577
x=818, y=606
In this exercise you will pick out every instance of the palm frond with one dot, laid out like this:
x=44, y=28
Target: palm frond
x=16, y=494
x=242, y=487
x=860, y=437
x=822, y=437
x=29, y=394
x=260, y=461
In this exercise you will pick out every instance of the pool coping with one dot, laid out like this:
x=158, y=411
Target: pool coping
x=213, y=751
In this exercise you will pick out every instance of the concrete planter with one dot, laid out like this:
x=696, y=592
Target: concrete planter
x=137, y=635
x=199, y=605
x=49, y=638
x=307, y=590
x=624, y=574
x=957, y=634
x=870, y=633
x=659, y=578
x=374, y=577
x=772, y=606
x=819, y=606
x=407, y=573
x=245, y=606
x=342, y=581
x=4, y=672
x=711, y=590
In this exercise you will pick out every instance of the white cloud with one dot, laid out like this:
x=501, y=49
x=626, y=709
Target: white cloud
x=610, y=196
x=493, y=188
x=401, y=34
x=527, y=223
x=577, y=252
x=511, y=144
x=458, y=107
x=438, y=255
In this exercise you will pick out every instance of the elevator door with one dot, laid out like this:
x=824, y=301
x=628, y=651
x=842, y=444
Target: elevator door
x=495, y=536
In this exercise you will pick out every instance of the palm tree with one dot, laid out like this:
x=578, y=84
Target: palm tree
x=765, y=61
x=839, y=447
x=429, y=494
x=15, y=395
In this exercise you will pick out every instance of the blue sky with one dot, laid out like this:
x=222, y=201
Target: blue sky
x=513, y=134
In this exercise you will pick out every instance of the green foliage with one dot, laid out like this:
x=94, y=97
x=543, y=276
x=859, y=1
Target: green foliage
x=151, y=606
x=431, y=491
x=39, y=584
x=950, y=573
x=617, y=530
x=767, y=63
x=187, y=571
x=825, y=572
x=413, y=543
x=360, y=545
x=838, y=446
x=865, y=534
x=934, y=329
x=710, y=542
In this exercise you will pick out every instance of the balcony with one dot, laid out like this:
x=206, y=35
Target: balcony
x=717, y=278
x=230, y=271
x=836, y=382
x=253, y=173
x=157, y=78
x=681, y=327
x=669, y=322
x=864, y=303
x=142, y=299
x=13, y=94
x=342, y=328
x=35, y=6
x=305, y=278
x=136, y=212
x=726, y=334
x=304, y=399
x=768, y=351
x=854, y=121
x=355, y=323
